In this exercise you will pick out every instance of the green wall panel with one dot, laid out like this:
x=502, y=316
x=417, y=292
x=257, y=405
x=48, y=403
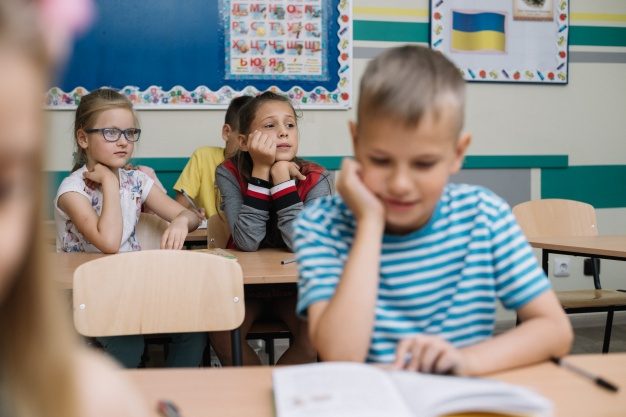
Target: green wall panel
x=602, y=186
x=372, y=30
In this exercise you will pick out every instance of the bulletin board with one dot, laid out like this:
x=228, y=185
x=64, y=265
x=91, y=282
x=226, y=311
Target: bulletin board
x=167, y=54
x=517, y=41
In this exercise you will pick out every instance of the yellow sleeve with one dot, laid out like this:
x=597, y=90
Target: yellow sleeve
x=198, y=177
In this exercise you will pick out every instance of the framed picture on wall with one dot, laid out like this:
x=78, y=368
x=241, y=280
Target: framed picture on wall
x=533, y=10
x=516, y=41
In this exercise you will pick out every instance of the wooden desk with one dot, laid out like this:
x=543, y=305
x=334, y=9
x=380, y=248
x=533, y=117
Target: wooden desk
x=604, y=246
x=262, y=267
x=198, y=235
x=607, y=247
x=232, y=392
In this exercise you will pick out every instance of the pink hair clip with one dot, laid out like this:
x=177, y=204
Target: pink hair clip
x=61, y=20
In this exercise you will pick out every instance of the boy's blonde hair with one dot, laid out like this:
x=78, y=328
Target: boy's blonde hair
x=90, y=107
x=407, y=82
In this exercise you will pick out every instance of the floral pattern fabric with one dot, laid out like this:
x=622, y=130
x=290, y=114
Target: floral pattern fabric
x=134, y=189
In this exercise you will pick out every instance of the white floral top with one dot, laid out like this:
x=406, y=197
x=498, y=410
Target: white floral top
x=134, y=189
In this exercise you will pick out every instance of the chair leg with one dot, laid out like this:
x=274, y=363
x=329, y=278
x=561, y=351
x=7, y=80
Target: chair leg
x=235, y=341
x=145, y=356
x=206, y=354
x=607, y=331
x=269, y=347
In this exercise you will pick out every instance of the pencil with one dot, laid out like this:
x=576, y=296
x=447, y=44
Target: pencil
x=189, y=199
x=586, y=374
x=287, y=261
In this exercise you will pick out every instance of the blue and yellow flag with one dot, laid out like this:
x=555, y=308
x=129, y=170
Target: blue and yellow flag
x=482, y=31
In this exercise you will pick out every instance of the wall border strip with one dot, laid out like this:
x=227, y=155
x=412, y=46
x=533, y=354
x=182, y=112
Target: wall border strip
x=375, y=30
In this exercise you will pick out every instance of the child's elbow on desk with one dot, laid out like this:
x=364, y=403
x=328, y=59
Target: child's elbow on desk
x=565, y=337
x=246, y=245
x=109, y=249
x=332, y=354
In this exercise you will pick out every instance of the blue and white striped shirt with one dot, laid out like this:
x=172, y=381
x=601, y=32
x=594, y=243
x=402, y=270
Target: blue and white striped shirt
x=442, y=279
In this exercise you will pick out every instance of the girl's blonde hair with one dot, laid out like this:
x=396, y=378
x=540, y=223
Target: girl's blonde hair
x=87, y=112
x=37, y=376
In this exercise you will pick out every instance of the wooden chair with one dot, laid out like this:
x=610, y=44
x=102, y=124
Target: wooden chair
x=556, y=217
x=217, y=231
x=159, y=291
x=149, y=230
x=218, y=234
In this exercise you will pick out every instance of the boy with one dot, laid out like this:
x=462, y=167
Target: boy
x=198, y=177
x=404, y=268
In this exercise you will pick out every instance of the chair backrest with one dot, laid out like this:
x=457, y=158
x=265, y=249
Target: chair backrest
x=218, y=231
x=157, y=291
x=556, y=217
x=149, y=231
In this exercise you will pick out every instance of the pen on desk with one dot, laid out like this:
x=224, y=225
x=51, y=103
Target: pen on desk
x=586, y=374
x=287, y=261
x=167, y=408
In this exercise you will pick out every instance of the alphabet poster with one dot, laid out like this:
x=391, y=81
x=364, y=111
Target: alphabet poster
x=276, y=40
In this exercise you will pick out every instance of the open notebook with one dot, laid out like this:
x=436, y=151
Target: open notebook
x=358, y=390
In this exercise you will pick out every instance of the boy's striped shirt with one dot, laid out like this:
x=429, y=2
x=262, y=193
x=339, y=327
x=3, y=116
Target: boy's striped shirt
x=443, y=279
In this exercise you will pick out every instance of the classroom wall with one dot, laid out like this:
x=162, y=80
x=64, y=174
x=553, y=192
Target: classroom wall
x=585, y=120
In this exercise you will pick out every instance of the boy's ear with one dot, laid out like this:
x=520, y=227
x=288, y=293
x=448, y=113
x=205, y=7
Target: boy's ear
x=81, y=139
x=243, y=142
x=460, y=149
x=353, y=132
x=226, y=131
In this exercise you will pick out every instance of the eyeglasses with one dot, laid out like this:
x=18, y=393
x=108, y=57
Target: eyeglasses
x=113, y=134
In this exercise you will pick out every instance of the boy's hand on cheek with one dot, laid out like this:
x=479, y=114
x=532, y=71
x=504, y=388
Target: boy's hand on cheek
x=429, y=354
x=362, y=202
x=262, y=149
x=284, y=171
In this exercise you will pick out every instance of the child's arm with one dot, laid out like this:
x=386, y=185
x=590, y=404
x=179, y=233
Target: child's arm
x=183, y=200
x=247, y=216
x=104, y=231
x=341, y=328
x=190, y=180
x=181, y=220
x=544, y=332
x=520, y=284
x=286, y=200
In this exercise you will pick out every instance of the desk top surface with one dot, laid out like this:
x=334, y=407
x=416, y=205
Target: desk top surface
x=261, y=267
x=603, y=245
x=198, y=235
x=233, y=392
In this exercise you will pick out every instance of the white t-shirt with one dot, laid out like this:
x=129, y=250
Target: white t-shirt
x=134, y=189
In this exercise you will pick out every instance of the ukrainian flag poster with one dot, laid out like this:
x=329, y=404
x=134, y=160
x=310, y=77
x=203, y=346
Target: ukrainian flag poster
x=522, y=41
x=478, y=31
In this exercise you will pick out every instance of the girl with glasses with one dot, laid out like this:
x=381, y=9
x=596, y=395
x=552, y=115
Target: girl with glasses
x=97, y=206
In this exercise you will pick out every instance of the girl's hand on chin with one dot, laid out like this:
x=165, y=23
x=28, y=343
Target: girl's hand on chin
x=99, y=174
x=284, y=171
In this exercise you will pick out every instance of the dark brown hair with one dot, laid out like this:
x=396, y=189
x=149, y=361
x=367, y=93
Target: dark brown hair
x=232, y=112
x=246, y=116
